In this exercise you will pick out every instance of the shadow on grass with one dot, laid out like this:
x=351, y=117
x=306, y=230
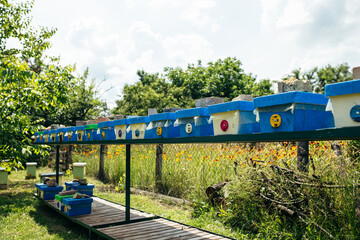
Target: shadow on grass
x=25, y=202
x=22, y=184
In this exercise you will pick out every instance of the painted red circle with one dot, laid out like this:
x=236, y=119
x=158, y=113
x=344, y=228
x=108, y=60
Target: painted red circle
x=224, y=125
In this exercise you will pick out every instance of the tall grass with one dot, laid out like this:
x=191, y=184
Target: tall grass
x=251, y=169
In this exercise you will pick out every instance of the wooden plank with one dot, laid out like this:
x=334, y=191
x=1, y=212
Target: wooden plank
x=173, y=234
x=193, y=235
x=151, y=224
x=127, y=227
x=105, y=212
x=136, y=233
x=156, y=229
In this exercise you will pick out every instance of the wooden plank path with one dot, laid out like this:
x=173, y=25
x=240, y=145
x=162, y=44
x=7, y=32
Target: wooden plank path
x=104, y=212
x=108, y=219
x=157, y=229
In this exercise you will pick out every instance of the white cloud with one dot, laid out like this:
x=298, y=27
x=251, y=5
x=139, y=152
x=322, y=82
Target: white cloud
x=130, y=3
x=143, y=27
x=193, y=11
x=270, y=13
x=187, y=48
x=295, y=13
x=118, y=56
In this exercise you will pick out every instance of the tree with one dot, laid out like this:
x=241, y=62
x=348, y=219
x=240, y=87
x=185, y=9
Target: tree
x=180, y=87
x=330, y=74
x=83, y=103
x=35, y=89
x=320, y=76
x=223, y=78
x=151, y=91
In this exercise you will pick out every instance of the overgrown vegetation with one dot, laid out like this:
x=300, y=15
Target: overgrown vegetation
x=265, y=197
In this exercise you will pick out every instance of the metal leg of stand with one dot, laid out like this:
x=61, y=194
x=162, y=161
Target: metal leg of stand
x=127, y=184
x=57, y=163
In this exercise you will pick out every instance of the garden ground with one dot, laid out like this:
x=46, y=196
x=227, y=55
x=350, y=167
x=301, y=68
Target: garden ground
x=22, y=216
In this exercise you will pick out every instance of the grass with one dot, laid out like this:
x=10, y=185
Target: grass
x=189, y=169
x=23, y=216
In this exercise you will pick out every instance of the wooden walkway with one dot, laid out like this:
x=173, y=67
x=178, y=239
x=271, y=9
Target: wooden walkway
x=157, y=229
x=104, y=212
x=108, y=220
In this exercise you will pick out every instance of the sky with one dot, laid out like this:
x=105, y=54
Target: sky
x=115, y=38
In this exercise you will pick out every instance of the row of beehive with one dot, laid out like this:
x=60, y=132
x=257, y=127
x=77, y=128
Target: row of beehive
x=292, y=111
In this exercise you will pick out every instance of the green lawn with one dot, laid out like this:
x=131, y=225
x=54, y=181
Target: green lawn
x=22, y=216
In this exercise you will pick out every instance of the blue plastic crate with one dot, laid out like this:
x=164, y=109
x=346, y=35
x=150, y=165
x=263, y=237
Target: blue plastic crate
x=47, y=193
x=80, y=133
x=70, y=185
x=293, y=111
x=162, y=126
x=74, y=207
x=121, y=128
x=106, y=130
x=84, y=189
x=138, y=127
x=235, y=117
x=194, y=122
x=344, y=103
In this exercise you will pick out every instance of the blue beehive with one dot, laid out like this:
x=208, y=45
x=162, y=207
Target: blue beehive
x=122, y=130
x=61, y=134
x=46, y=136
x=91, y=132
x=293, y=111
x=80, y=133
x=47, y=193
x=194, y=122
x=344, y=102
x=66, y=134
x=74, y=207
x=138, y=127
x=70, y=134
x=235, y=117
x=162, y=126
x=37, y=137
x=73, y=135
x=58, y=201
x=84, y=189
x=41, y=137
x=69, y=185
x=54, y=137
x=106, y=130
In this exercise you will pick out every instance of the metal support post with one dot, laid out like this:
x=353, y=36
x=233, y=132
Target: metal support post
x=57, y=163
x=303, y=156
x=127, y=184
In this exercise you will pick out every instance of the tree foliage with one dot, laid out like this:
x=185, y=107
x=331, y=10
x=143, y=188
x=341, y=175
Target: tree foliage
x=151, y=91
x=179, y=87
x=84, y=102
x=320, y=76
x=34, y=88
